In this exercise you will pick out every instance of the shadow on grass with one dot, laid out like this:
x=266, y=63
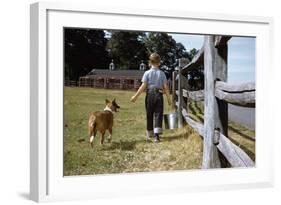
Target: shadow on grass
x=191, y=108
x=122, y=145
x=193, y=112
x=175, y=137
x=198, y=108
x=196, y=118
x=241, y=134
x=130, y=145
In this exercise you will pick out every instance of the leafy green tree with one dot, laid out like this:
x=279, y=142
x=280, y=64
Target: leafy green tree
x=192, y=53
x=166, y=47
x=84, y=49
x=195, y=77
x=127, y=49
x=181, y=51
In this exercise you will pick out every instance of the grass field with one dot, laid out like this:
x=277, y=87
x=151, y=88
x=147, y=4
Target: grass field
x=129, y=151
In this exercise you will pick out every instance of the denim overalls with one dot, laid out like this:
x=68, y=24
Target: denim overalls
x=155, y=80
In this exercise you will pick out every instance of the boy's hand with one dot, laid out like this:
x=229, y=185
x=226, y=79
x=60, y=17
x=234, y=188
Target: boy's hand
x=134, y=98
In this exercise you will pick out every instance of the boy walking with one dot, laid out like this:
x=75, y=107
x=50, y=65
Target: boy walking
x=155, y=83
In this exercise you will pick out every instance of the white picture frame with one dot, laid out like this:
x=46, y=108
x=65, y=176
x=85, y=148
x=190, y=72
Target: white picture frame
x=47, y=182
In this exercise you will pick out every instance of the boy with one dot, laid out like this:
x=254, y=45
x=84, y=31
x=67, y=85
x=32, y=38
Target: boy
x=154, y=80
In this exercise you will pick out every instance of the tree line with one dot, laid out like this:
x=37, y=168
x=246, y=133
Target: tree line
x=87, y=49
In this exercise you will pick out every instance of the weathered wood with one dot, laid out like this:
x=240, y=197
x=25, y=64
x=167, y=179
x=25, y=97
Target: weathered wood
x=196, y=61
x=221, y=112
x=193, y=95
x=184, y=82
x=181, y=103
x=244, y=99
x=199, y=127
x=196, y=95
x=242, y=94
x=221, y=40
x=177, y=104
x=235, y=88
x=210, y=152
x=234, y=154
x=184, y=93
x=174, y=74
x=217, y=136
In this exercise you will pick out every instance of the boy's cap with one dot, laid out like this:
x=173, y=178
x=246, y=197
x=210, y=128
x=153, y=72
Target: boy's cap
x=154, y=59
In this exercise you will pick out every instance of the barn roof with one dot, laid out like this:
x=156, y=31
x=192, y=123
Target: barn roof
x=116, y=73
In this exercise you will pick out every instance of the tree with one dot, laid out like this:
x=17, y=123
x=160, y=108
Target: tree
x=195, y=77
x=84, y=49
x=127, y=49
x=166, y=47
x=181, y=51
x=192, y=53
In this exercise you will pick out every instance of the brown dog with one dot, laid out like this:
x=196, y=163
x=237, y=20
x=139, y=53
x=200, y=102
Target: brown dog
x=102, y=121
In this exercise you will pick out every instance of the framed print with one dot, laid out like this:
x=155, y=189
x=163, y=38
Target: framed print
x=197, y=126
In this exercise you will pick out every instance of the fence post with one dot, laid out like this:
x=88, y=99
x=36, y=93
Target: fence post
x=221, y=75
x=174, y=74
x=210, y=152
x=180, y=96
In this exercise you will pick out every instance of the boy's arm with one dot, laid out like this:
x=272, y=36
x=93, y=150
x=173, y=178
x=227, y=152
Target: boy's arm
x=167, y=92
x=140, y=90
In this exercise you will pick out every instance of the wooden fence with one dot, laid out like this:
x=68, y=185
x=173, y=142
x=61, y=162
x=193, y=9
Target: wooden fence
x=70, y=83
x=110, y=82
x=216, y=95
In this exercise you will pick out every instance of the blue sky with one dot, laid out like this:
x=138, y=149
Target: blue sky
x=241, y=55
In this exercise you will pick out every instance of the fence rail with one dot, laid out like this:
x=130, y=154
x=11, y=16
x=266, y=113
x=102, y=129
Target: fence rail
x=71, y=83
x=235, y=155
x=197, y=60
x=193, y=95
x=242, y=95
x=216, y=95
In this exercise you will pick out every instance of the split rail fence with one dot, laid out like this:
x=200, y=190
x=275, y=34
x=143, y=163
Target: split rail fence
x=217, y=94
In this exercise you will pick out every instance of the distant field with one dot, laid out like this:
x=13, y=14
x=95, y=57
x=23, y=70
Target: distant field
x=129, y=151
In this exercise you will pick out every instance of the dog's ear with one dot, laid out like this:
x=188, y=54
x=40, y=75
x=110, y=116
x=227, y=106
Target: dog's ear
x=115, y=104
x=107, y=101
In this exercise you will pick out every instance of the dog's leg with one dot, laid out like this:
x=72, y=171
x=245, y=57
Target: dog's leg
x=95, y=132
x=110, y=135
x=102, y=137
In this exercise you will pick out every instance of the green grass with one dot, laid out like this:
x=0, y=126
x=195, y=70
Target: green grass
x=129, y=151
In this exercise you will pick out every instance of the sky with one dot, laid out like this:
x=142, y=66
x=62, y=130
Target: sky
x=241, y=55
